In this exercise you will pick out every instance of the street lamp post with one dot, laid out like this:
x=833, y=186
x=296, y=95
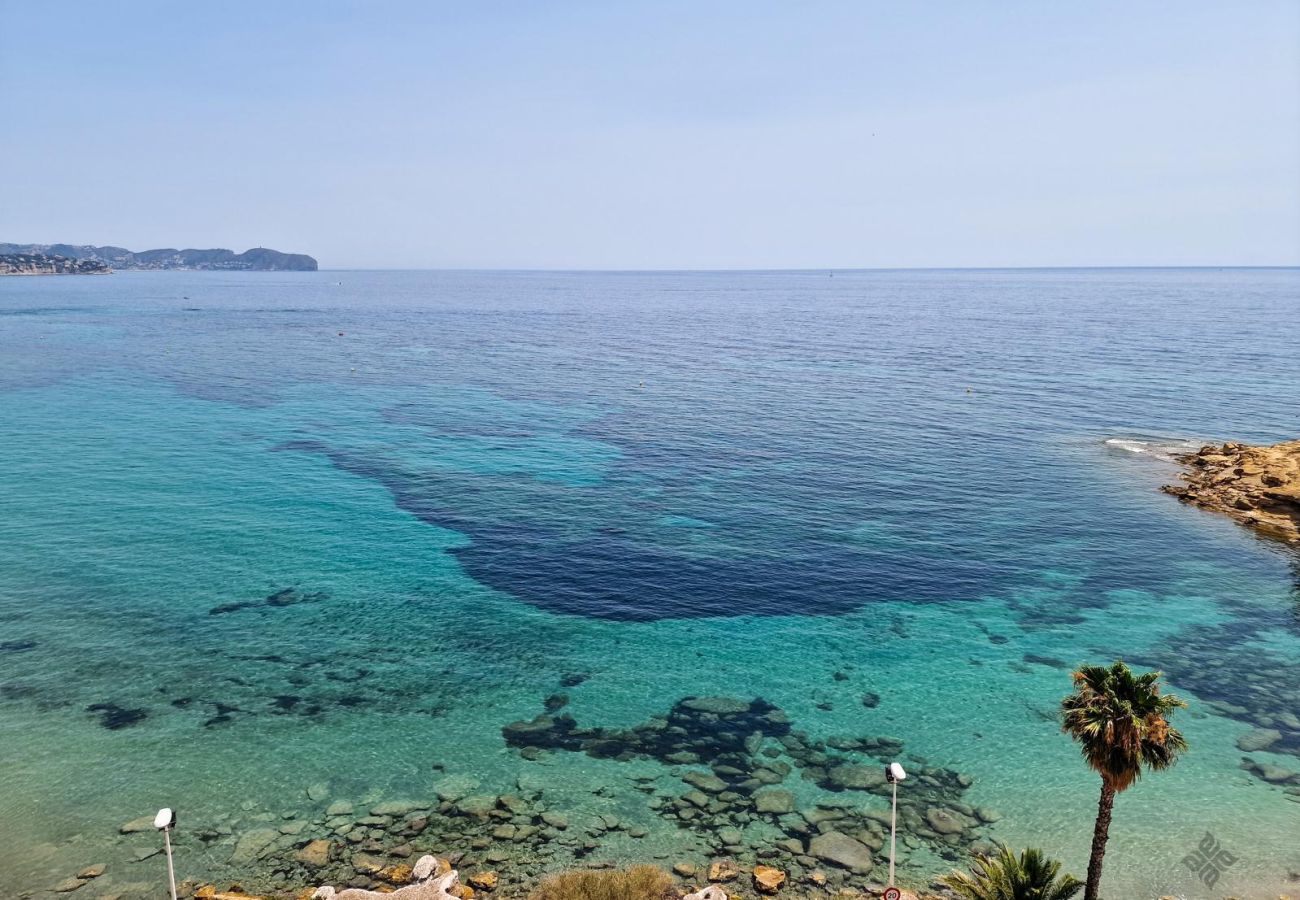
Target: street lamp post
x=164, y=822
x=893, y=774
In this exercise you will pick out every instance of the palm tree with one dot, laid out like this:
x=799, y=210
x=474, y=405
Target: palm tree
x=1121, y=721
x=1004, y=876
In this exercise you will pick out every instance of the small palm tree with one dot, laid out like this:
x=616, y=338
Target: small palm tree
x=1004, y=876
x=1121, y=721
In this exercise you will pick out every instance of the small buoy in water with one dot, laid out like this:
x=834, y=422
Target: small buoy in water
x=968, y=390
x=340, y=334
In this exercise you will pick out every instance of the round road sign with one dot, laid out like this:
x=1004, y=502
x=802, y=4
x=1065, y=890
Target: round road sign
x=892, y=893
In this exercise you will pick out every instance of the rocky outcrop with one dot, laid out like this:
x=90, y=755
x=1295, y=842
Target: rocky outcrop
x=711, y=892
x=433, y=881
x=1257, y=486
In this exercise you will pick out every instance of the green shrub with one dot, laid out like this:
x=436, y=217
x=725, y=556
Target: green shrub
x=636, y=883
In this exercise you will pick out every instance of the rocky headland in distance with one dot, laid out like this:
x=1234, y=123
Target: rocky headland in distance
x=1258, y=486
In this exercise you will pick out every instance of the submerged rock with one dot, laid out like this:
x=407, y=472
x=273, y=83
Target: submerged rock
x=113, y=717
x=1270, y=773
x=854, y=778
x=774, y=802
x=315, y=854
x=252, y=844
x=144, y=823
x=945, y=821
x=696, y=729
x=1258, y=739
x=839, y=849
x=705, y=782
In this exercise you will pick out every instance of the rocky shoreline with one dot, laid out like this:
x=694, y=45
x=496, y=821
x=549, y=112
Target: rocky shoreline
x=1258, y=486
x=720, y=776
x=720, y=796
x=721, y=781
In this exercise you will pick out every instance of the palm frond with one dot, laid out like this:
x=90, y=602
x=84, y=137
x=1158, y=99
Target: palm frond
x=1121, y=721
x=1002, y=875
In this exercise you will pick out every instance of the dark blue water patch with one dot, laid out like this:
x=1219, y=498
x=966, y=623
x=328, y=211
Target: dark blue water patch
x=595, y=550
x=612, y=573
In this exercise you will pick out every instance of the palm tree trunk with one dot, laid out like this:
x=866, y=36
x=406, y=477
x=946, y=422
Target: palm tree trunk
x=1100, y=833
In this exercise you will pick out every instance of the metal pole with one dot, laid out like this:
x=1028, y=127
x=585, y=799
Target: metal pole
x=893, y=834
x=171, y=872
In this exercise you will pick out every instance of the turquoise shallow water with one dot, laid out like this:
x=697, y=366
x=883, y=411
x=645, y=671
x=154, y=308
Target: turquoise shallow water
x=485, y=489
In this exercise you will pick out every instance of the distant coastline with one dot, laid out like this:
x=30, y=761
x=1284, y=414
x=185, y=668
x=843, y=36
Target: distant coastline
x=72, y=259
x=45, y=264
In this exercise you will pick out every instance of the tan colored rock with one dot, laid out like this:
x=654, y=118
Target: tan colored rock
x=767, y=879
x=723, y=870
x=398, y=874
x=484, y=881
x=92, y=871
x=686, y=869
x=1257, y=486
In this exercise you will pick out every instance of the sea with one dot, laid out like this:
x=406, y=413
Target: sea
x=277, y=544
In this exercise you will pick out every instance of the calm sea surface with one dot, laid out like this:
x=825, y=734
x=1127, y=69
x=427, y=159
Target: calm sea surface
x=265, y=532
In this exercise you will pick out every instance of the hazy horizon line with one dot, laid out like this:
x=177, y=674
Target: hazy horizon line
x=828, y=269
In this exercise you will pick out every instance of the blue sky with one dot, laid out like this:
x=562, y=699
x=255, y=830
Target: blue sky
x=659, y=135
